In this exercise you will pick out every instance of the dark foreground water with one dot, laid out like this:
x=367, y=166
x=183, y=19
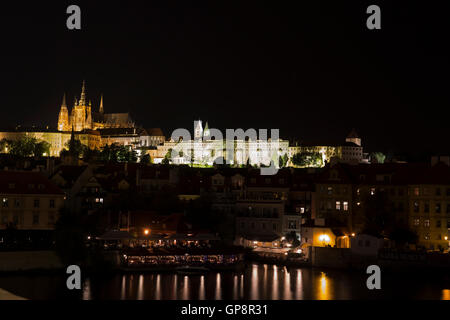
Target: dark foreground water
x=258, y=281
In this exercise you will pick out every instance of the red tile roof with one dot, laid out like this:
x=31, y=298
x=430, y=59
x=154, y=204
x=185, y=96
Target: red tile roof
x=21, y=182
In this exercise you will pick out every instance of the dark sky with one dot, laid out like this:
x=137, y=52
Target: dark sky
x=312, y=70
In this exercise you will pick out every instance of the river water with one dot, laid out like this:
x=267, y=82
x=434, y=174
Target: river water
x=257, y=281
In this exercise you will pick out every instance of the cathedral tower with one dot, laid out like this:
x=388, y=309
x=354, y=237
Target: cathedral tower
x=81, y=113
x=100, y=110
x=198, y=130
x=63, y=118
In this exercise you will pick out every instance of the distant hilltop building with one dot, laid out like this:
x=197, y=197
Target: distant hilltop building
x=96, y=129
x=82, y=118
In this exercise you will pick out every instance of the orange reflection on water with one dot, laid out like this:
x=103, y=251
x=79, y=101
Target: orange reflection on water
x=323, y=289
x=275, y=283
x=201, y=294
x=158, y=287
x=140, y=294
x=218, y=287
x=185, y=288
x=287, y=284
x=254, y=291
x=299, y=285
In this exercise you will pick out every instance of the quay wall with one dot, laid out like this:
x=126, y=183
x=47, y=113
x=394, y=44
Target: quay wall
x=329, y=257
x=12, y=261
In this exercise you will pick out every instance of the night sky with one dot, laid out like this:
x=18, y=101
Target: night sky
x=312, y=70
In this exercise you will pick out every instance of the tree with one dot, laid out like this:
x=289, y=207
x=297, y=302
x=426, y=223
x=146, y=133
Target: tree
x=146, y=159
x=402, y=235
x=75, y=147
x=91, y=154
x=118, y=153
x=307, y=159
x=70, y=238
x=167, y=157
x=42, y=148
x=378, y=218
x=24, y=147
x=283, y=160
x=378, y=157
x=4, y=145
x=292, y=238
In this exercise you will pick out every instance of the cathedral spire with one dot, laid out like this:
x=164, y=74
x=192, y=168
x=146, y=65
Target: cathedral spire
x=64, y=101
x=101, y=104
x=83, y=94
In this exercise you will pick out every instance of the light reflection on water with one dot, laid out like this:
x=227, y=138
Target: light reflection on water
x=257, y=281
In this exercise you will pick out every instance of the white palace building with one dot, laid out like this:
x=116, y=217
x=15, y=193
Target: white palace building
x=209, y=147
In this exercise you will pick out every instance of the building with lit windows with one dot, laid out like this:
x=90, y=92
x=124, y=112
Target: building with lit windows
x=29, y=201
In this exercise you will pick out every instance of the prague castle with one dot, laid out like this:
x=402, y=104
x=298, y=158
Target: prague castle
x=95, y=129
x=83, y=118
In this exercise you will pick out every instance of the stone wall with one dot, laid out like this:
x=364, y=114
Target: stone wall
x=29, y=260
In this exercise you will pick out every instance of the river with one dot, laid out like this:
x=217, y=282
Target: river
x=257, y=281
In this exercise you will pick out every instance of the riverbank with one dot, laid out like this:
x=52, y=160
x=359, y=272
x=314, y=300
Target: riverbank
x=6, y=295
x=47, y=262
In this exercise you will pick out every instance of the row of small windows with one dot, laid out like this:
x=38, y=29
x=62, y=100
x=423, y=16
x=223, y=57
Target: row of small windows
x=438, y=237
x=426, y=223
x=264, y=225
x=393, y=191
x=17, y=218
x=31, y=186
x=18, y=203
x=339, y=205
x=426, y=207
x=267, y=180
x=428, y=191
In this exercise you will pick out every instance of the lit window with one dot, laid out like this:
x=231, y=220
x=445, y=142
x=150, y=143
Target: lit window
x=416, y=206
x=5, y=202
x=372, y=191
x=338, y=205
x=426, y=223
x=345, y=206
x=416, y=222
x=416, y=191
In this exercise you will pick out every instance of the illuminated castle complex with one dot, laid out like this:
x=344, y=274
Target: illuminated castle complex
x=82, y=118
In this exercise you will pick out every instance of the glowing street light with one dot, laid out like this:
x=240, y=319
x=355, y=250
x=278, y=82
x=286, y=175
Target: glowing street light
x=146, y=232
x=324, y=238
